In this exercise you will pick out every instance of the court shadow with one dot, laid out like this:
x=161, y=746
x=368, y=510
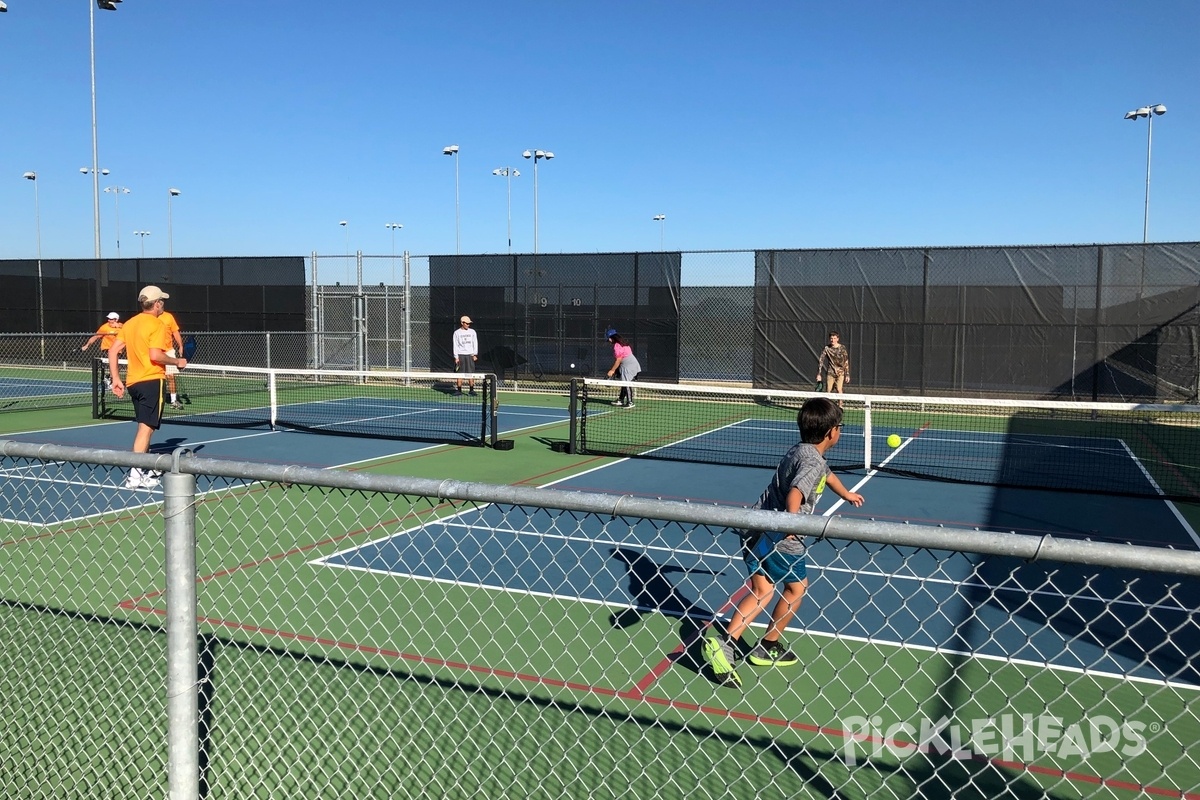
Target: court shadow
x=557, y=445
x=653, y=592
x=172, y=444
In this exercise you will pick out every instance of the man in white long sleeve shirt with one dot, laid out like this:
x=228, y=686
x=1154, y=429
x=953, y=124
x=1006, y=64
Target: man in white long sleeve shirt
x=466, y=353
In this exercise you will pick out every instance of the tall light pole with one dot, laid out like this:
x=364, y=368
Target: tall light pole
x=171, y=193
x=452, y=150
x=1149, y=112
x=661, y=219
x=117, y=191
x=509, y=173
x=393, y=227
x=143, y=235
x=536, y=155
x=345, y=225
x=37, y=213
x=104, y=5
x=95, y=173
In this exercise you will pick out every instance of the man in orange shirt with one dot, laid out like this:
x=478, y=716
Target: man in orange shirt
x=107, y=334
x=168, y=319
x=145, y=340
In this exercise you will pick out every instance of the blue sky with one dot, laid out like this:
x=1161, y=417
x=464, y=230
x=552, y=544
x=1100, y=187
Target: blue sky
x=748, y=124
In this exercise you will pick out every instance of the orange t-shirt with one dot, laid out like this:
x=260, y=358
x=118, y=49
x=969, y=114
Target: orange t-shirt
x=139, y=335
x=108, y=332
x=168, y=319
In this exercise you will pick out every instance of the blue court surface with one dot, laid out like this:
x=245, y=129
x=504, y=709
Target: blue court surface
x=1066, y=616
x=52, y=494
x=28, y=390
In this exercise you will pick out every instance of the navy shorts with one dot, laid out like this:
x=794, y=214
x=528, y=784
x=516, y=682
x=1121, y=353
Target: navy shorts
x=147, y=397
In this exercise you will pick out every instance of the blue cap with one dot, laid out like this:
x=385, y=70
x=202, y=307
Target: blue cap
x=611, y=332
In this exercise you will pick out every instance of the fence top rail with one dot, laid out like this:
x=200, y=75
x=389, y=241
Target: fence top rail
x=1047, y=548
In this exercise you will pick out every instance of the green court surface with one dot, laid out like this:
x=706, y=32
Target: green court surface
x=369, y=684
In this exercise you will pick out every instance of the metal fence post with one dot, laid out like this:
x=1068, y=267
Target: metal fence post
x=183, y=732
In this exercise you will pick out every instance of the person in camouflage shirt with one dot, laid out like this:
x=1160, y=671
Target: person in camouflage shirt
x=834, y=364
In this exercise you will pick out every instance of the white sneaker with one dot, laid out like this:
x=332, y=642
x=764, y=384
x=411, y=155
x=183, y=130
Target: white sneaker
x=143, y=480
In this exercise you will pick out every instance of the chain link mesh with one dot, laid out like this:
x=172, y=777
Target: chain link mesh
x=367, y=636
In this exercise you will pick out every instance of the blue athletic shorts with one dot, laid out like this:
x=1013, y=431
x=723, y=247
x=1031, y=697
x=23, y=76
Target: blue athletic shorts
x=761, y=557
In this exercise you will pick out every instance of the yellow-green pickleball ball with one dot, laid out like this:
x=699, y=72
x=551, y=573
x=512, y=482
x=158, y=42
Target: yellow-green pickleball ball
x=894, y=440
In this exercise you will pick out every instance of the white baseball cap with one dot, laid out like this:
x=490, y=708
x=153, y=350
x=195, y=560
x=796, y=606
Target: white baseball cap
x=151, y=293
x=113, y=315
x=464, y=318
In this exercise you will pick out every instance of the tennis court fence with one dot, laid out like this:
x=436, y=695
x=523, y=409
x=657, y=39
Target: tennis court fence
x=256, y=630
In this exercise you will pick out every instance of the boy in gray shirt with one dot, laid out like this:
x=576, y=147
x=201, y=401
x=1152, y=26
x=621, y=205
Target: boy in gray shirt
x=774, y=558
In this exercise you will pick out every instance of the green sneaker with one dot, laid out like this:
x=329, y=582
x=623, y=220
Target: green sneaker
x=718, y=652
x=771, y=654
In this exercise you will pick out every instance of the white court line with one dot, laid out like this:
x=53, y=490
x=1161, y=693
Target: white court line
x=1174, y=510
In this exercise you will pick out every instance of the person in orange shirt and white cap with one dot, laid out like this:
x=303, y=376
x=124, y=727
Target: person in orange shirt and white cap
x=106, y=334
x=145, y=341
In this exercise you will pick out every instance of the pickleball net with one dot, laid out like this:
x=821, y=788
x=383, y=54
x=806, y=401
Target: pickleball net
x=415, y=406
x=1107, y=448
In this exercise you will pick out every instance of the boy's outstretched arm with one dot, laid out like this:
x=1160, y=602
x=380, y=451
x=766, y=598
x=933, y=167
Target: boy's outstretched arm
x=835, y=483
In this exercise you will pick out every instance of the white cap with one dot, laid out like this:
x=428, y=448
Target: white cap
x=113, y=315
x=464, y=318
x=152, y=293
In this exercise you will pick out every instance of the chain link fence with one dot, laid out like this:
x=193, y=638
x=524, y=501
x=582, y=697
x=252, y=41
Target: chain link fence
x=321, y=633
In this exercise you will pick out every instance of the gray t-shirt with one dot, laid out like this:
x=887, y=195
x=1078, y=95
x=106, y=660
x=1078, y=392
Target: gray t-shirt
x=804, y=468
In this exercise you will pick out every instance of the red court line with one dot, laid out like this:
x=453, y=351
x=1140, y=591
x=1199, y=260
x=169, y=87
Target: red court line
x=678, y=705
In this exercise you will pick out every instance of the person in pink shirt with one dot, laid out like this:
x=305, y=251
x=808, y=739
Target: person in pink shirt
x=625, y=366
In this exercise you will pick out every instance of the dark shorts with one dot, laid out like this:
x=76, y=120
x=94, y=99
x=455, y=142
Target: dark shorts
x=147, y=397
x=466, y=365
